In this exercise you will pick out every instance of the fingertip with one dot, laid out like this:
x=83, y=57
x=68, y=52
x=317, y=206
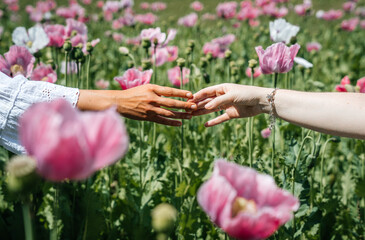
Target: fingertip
x=189, y=95
x=194, y=107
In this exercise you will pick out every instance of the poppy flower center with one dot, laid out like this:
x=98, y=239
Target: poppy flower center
x=45, y=79
x=241, y=204
x=29, y=44
x=15, y=69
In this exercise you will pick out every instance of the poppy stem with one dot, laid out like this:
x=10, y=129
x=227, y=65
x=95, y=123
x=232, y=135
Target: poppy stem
x=28, y=228
x=273, y=134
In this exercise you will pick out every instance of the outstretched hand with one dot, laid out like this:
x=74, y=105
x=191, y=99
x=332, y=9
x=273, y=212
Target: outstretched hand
x=238, y=101
x=146, y=102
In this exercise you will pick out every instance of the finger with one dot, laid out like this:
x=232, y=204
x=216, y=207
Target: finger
x=203, y=112
x=217, y=102
x=171, y=114
x=206, y=93
x=220, y=119
x=201, y=105
x=172, y=92
x=166, y=121
x=177, y=104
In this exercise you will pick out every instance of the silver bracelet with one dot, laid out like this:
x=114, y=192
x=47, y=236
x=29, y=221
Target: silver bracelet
x=271, y=99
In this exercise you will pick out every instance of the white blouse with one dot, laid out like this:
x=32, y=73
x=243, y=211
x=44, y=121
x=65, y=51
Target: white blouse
x=19, y=93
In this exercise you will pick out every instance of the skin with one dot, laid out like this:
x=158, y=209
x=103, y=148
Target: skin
x=146, y=102
x=340, y=114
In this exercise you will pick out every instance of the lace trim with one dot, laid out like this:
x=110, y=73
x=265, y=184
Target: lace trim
x=71, y=94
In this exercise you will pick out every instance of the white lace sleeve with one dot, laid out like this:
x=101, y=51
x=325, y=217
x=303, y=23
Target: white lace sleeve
x=19, y=93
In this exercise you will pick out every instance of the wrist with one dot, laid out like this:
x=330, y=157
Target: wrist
x=264, y=103
x=95, y=100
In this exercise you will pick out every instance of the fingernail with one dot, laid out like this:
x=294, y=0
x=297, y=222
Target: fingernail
x=189, y=95
x=208, y=106
x=193, y=106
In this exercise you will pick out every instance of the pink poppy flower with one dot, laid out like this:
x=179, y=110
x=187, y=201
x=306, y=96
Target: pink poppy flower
x=134, y=41
x=144, y=5
x=349, y=25
x=118, y=37
x=225, y=41
x=253, y=22
x=248, y=13
x=166, y=54
x=226, y=10
x=261, y=3
x=342, y=87
x=18, y=60
x=44, y=73
x=332, y=15
x=100, y=4
x=72, y=11
x=189, y=20
x=278, y=58
x=73, y=26
x=134, y=78
x=257, y=72
x=197, y=6
x=349, y=6
x=361, y=84
x=68, y=144
x=362, y=24
x=158, y=6
x=313, y=46
x=126, y=4
x=209, y=16
x=212, y=48
x=86, y=2
x=174, y=76
x=245, y=203
x=155, y=34
x=56, y=34
x=102, y=84
x=173, y=53
x=161, y=56
x=148, y=18
x=302, y=9
x=265, y=133
x=360, y=11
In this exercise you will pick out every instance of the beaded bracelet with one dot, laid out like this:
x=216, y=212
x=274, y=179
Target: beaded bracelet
x=271, y=98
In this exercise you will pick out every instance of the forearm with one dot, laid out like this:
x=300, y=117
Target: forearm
x=95, y=100
x=341, y=114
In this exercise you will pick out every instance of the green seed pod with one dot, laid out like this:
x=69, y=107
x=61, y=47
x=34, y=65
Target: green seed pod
x=228, y=54
x=146, y=64
x=293, y=40
x=209, y=57
x=78, y=53
x=21, y=174
x=181, y=62
x=130, y=64
x=232, y=64
x=252, y=63
x=188, y=50
x=203, y=62
x=89, y=47
x=163, y=218
x=234, y=71
x=206, y=78
x=191, y=44
x=146, y=43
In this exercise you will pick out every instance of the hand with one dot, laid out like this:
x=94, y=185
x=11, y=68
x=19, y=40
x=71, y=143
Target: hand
x=238, y=101
x=145, y=102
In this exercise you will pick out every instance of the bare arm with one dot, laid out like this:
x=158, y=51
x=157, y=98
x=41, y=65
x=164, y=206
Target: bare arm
x=341, y=114
x=146, y=102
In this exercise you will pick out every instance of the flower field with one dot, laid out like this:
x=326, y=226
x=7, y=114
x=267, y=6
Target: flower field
x=247, y=178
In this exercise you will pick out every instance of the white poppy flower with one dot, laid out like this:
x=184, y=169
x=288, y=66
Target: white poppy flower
x=303, y=62
x=34, y=40
x=282, y=31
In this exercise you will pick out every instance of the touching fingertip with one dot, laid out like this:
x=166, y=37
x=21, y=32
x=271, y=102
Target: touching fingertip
x=194, y=106
x=189, y=95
